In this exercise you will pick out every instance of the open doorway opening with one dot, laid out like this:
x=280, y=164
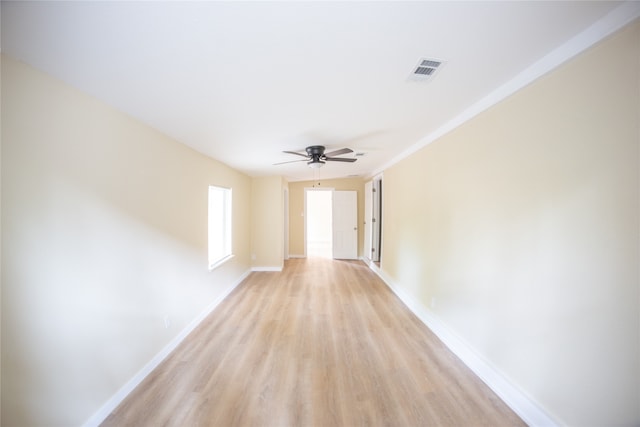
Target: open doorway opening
x=285, y=208
x=318, y=219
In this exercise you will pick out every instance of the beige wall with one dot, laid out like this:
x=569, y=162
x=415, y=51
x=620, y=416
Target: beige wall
x=520, y=231
x=267, y=222
x=296, y=209
x=104, y=234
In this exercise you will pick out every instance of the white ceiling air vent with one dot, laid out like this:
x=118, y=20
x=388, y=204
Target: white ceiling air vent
x=426, y=69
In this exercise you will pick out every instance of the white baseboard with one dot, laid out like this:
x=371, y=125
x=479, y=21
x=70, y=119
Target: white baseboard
x=526, y=408
x=266, y=268
x=296, y=256
x=111, y=404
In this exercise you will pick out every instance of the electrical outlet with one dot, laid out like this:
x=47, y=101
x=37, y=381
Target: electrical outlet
x=167, y=321
x=434, y=302
x=253, y=257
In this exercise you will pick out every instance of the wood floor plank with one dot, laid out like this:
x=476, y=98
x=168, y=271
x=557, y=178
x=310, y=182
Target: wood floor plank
x=323, y=343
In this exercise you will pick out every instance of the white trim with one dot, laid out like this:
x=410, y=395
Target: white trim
x=113, y=402
x=297, y=256
x=375, y=175
x=611, y=22
x=376, y=269
x=266, y=268
x=220, y=262
x=522, y=404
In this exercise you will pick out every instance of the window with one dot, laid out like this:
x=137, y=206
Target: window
x=219, y=226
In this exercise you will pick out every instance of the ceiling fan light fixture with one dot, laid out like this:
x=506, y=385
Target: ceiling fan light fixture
x=315, y=164
x=316, y=157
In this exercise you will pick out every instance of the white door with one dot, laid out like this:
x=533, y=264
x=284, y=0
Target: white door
x=345, y=224
x=368, y=214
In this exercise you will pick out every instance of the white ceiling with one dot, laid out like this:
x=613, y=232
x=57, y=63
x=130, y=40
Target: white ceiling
x=243, y=81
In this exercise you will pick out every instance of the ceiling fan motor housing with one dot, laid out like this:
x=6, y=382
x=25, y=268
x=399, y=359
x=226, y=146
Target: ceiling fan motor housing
x=315, y=151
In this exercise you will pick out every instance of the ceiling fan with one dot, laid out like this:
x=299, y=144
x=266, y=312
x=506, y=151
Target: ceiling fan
x=316, y=156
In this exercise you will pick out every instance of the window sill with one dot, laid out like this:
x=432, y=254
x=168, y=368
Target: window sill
x=220, y=262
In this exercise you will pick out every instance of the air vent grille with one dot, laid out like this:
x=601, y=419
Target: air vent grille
x=426, y=69
x=430, y=63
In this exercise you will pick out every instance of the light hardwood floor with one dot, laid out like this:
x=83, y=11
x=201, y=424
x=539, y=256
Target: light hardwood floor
x=324, y=343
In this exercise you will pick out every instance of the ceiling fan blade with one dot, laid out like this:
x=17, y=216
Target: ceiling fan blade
x=339, y=152
x=339, y=159
x=291, y=161
x=297, y=154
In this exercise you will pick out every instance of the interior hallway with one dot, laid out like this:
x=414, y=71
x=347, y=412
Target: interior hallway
x=322, y=343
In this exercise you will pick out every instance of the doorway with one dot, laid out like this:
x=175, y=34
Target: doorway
x=318, y=223
x=285, y=207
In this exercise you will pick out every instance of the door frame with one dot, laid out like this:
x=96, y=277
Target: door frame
x=367, y=223
x=376, y=222
x=374, y=229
